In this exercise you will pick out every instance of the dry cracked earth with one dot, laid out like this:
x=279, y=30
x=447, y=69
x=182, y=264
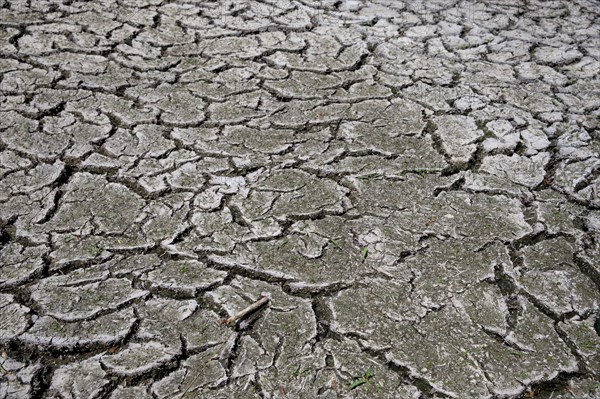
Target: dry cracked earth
x=414, y=185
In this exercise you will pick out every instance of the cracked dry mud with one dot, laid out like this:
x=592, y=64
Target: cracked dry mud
x=414, y=184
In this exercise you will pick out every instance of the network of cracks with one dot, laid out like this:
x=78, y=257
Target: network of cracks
x=413, y=185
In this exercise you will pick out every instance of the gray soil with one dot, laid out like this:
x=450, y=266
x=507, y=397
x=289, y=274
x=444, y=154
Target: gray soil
x=413, y=184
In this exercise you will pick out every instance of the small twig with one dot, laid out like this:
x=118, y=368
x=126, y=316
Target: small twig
x=243, y=313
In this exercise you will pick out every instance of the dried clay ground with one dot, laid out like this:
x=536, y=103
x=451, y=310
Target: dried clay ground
x=412, y=184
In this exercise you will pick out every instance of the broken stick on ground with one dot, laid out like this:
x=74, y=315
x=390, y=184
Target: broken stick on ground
x=260, y=302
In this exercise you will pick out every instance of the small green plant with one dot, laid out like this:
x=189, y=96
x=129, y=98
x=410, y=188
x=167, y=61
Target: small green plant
x=96, y=250
x=334, y=243
x=589, y=345
x=365, y=379
x=364, y=252
x=299, y=371
x=369, y=176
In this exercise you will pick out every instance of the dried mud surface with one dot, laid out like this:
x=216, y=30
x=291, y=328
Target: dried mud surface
x=414, y=184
